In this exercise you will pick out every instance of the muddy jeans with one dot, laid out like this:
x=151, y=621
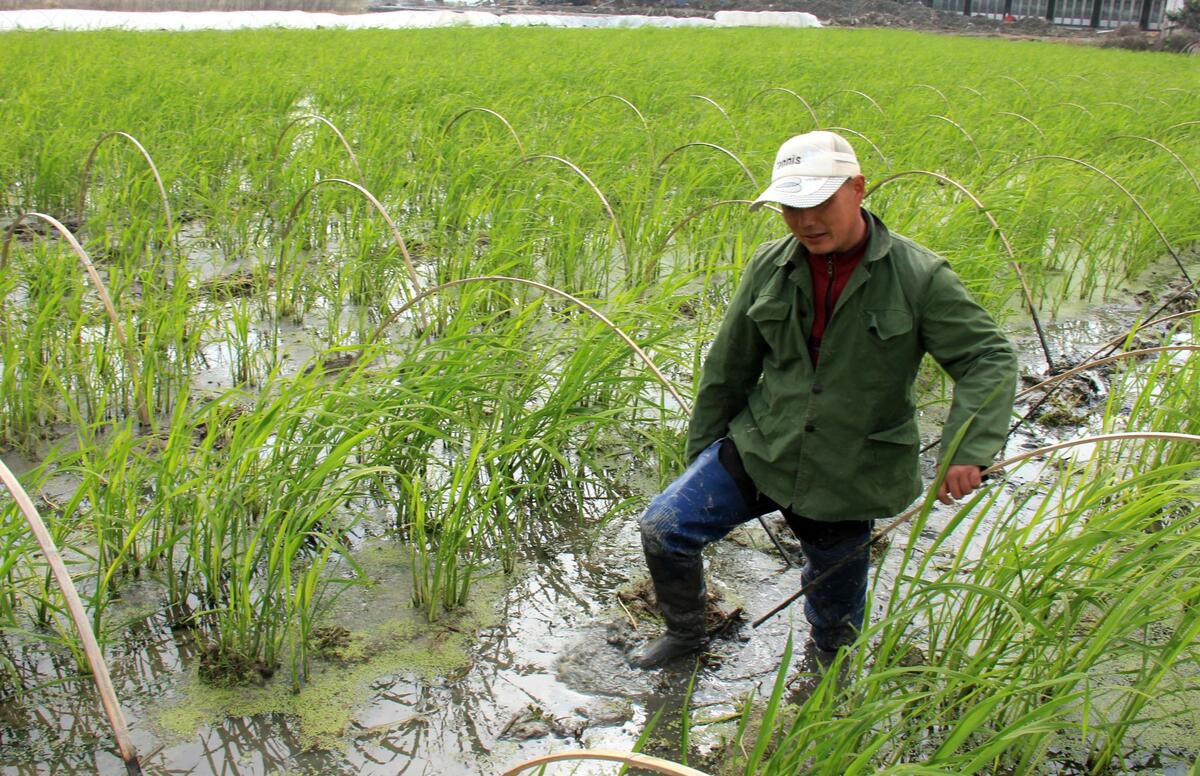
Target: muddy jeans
x=715, y=495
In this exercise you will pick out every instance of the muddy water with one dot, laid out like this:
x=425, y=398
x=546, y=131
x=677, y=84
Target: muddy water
x=536, y=665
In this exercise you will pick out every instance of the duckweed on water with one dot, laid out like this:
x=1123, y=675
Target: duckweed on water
x=392, y=638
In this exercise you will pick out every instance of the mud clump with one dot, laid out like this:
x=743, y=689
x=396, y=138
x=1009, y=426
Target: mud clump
x=639, y=604
x=534, y=722
x=335, y=642
x=222, y=668
x=1069, y=402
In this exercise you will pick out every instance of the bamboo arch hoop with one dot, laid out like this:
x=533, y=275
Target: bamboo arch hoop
x=1113, y=181
x=1074, y=105
x=959, y=127
x=642, y=761
x=907, y=516
x=493, y=114
x=87, y=167
x=591, y=184
x=807, y=107
x=864, y=95
x=375, y=203
x=626, y=103
x=688, y=218
x=95, y=658
x=1018, y=83
x=715, y=147
x=1095, y=362
x=1026, y=119
x=696, y=214
x=1135, y=111
x=101, y=291
x=589, y=309
x=1115, y=342
x=1159, y=100
x=313, y=117
x=662, y=246
x=1037, y=324
x=864, y=138
x=935, y=90
x=716, y=105
x=1164, y=147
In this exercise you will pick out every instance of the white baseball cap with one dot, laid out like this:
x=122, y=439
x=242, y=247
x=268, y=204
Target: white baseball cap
x=809, y=168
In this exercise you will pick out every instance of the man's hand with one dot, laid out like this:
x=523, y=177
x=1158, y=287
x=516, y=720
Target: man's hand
x=961, y=479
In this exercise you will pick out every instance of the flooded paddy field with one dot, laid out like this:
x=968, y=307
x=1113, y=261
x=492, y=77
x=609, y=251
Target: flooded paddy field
x=347, y=469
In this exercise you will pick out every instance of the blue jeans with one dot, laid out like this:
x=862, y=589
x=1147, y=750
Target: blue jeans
x=714, y=496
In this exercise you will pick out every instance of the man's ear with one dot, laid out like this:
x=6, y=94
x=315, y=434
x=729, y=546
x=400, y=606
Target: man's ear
x=858, y=184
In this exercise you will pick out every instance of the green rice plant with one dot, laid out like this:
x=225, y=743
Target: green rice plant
x=261, y=547
x=442, y=570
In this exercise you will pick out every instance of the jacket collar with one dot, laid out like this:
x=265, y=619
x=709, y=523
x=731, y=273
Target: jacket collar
x=878, y=245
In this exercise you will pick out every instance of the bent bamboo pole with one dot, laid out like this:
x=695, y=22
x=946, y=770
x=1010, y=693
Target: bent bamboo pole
x=622, y=100
x=907, y=516
x=87, y=166
x=1107, y=360
x=864, y=95
x=652, y=265
x=1093, y=168
x=321, y=120
x=643, y=761
x=101, y=291
x=612, y=216
x=807, y=107
x=716, y=105
x=379, y=208
x=1179, y=159
x=489, y=112
x=864, y=138
x=1115, y=342
x=548, y=289
x=1012, y=256
x=715, y=147
x=108, y=696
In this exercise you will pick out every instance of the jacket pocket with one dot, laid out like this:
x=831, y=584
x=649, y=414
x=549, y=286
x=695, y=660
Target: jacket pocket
x=778, y=327
x=888, y=323
x=906, y=433
x=895, y=477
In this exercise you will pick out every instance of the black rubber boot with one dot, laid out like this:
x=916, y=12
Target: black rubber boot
x=835, y=606
x=679, y=588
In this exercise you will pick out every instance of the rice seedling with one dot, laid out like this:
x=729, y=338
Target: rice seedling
x=353, y=275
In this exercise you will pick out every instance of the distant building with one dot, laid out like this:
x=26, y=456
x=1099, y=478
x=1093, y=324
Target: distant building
x=1098, y=14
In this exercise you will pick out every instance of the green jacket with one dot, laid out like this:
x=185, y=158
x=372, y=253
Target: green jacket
x=840, y=442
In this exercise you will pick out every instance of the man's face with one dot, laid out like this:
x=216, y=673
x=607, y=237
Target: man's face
x=833, y=226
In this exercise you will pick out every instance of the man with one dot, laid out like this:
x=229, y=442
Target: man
x=806, y=399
